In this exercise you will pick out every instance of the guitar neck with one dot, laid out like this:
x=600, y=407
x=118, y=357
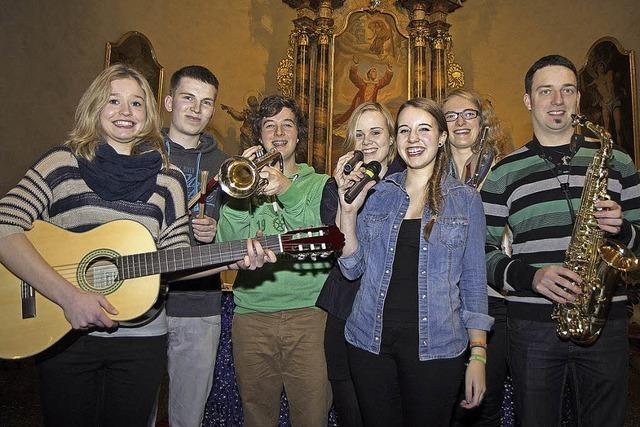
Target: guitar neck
x=188, y=258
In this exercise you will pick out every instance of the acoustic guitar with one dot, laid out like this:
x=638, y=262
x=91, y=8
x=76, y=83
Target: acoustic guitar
x=119, y=260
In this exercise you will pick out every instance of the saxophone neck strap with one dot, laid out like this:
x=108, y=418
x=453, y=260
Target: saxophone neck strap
x=558, y=161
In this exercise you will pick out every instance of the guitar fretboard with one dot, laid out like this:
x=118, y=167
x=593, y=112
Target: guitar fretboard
x=180, y=259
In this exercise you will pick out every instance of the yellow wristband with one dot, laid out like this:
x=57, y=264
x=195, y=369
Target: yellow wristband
x=478, y=358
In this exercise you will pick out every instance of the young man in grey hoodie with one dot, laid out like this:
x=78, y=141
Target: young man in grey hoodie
x=193, y=307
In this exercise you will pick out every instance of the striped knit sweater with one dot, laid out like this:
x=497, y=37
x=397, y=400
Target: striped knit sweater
x=53, y=190
x=523, y=191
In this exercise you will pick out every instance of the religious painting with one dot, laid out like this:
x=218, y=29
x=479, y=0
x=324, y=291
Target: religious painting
x=608, y=93
x=135, y=50
x=370, y=64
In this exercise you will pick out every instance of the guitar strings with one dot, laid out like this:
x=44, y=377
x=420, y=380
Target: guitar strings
x=69, y=271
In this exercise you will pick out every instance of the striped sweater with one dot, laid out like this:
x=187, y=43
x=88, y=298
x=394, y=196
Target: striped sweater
x=53, y=190
x=523, y=191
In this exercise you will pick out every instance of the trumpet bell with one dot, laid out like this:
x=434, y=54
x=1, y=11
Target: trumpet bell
x=239, y=177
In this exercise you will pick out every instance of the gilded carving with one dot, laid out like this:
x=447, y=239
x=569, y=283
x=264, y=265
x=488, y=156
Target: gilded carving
x=440, y=39
x=284, y=72
x=419, y=33
x=341, y=15
x=324, y=30
x=455, y=73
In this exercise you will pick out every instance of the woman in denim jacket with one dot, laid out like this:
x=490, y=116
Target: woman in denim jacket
x=418, y=246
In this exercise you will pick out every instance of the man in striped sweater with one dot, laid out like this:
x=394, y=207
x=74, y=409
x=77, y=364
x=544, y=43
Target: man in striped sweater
x=536, y=191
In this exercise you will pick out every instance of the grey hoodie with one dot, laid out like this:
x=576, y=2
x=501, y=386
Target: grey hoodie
x=200, y=297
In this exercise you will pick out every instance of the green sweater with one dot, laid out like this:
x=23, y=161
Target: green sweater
x=288, y=283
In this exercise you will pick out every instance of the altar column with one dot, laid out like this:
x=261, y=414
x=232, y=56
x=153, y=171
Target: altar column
x=304, y=31
x=419, y=39
x=320, y=138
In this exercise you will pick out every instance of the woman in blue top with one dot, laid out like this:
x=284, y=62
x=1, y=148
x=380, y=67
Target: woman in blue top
x=371, y=130
x=418, y=247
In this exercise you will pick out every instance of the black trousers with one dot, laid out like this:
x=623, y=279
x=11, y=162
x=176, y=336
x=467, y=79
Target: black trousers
x=395, y=388
x=345, y=400
x=541, y=364
x=102, y=381
x=488, y=413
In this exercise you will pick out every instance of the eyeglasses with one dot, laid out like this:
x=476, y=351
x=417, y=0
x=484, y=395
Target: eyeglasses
x=468, y=114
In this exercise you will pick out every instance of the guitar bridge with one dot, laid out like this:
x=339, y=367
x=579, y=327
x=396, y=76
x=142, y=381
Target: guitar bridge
x=28, y=297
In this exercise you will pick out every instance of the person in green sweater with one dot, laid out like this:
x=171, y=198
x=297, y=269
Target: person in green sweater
x=277, y=332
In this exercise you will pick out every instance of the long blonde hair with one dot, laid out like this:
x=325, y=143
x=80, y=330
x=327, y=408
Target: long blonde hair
x=87, y=131
x=497, y=138
x=433, y=191
x=353, y=122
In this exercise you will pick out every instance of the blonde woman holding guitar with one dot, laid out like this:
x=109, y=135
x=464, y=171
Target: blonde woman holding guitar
x=112, y=167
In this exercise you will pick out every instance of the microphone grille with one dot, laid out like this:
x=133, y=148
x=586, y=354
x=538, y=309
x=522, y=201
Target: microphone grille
x=374, y=166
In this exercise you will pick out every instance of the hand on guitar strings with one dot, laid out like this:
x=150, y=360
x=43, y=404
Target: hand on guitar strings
x=256, y=256
x=86, y=310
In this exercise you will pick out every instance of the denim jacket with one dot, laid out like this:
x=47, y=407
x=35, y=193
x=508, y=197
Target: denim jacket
x=452, y=272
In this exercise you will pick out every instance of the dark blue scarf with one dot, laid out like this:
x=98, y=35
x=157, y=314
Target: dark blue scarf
x=114, y=176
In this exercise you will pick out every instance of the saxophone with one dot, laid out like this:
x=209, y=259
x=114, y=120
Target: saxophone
x=599, y=261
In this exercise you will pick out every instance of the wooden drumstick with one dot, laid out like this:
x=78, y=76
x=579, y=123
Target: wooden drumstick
x=204, y=175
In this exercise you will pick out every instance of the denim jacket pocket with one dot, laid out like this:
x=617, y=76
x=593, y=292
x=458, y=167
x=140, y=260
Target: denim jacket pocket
x=453, y=231
x=373, y=225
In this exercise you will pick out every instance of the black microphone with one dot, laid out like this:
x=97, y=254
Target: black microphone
x=357, y=157
x=372, y=169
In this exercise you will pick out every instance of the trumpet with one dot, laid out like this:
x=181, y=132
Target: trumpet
x=239, y=177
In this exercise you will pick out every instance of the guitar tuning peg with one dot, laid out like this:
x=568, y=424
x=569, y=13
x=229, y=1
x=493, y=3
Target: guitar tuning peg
x=325, y=254
x=301, y=257
x=313, y=257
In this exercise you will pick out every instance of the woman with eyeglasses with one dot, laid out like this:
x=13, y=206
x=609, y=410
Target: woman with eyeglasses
x=417, y=246
x=476, y=141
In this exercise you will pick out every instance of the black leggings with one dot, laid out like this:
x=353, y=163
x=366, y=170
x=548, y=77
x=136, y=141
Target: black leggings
x=345, y=400
x=395, y=388
x=489, y=412
x=103, y=381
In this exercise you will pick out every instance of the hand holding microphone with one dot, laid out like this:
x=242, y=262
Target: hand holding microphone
x=371, y=172
x=358, y=156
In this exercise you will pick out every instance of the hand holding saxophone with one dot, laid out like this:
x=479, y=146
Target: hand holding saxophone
x=609, y=216
x=557, y=283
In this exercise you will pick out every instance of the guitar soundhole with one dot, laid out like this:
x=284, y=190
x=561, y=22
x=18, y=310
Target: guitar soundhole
x=98, y=273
